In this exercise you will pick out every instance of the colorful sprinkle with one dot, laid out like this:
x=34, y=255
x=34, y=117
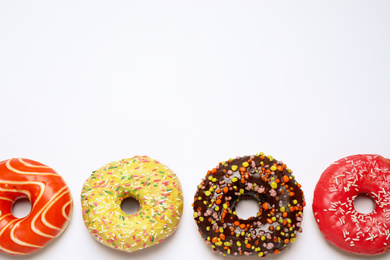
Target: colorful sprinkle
x=161, y=197
x=262, y=178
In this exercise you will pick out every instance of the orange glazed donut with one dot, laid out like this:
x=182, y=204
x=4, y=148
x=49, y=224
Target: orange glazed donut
x=51, y=206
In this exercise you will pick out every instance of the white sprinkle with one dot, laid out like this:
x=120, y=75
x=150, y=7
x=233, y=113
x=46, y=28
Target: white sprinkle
x=371, y=237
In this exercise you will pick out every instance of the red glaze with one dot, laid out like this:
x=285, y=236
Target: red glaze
x=340, y=223
x=51, y=205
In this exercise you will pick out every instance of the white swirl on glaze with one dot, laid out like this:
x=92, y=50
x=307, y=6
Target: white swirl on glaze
x=32, y=165
x=64, y=208
x=18, y=241
x=53, y=200
x=8, y=164
x=28, y=194
x=4, y=216
x=42, y=211
x=4, y=198
x=1, y=233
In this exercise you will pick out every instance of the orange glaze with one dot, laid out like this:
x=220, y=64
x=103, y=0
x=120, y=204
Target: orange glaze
x=51, y=205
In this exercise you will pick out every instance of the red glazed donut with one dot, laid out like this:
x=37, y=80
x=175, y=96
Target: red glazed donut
x=334, y=211
x=51, y=206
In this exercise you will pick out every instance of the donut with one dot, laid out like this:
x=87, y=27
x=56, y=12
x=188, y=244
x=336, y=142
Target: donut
x=51, y=205
x=333, y=204
x=152, y=184
x=262, y=178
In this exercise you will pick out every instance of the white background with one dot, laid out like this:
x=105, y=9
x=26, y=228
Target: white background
x=192, y=83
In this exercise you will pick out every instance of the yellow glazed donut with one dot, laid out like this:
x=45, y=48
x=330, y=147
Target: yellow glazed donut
x=157, y=190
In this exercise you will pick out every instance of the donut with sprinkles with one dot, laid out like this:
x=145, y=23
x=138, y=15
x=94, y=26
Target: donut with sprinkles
x=333, y=204
x=152, y=184
x=262, y=178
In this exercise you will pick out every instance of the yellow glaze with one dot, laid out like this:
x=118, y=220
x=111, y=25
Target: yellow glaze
x=157, y=190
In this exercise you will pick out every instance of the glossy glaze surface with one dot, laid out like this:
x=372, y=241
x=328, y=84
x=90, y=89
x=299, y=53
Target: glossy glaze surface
x=51, y=205
x=333, y=207
x=259, y=177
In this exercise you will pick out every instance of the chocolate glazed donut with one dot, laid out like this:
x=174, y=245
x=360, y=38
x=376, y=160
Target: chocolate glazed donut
x=262, y=178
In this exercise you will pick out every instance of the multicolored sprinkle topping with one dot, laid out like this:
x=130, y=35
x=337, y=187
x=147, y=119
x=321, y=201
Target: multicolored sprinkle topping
x=258, y=177
x=154, y=185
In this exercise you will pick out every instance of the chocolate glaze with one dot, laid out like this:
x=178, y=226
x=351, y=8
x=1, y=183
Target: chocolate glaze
x=259, y=177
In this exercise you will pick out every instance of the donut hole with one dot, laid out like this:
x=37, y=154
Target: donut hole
x=247, y=207
x=363, y=203
x=130, y=205
x=21, y=208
